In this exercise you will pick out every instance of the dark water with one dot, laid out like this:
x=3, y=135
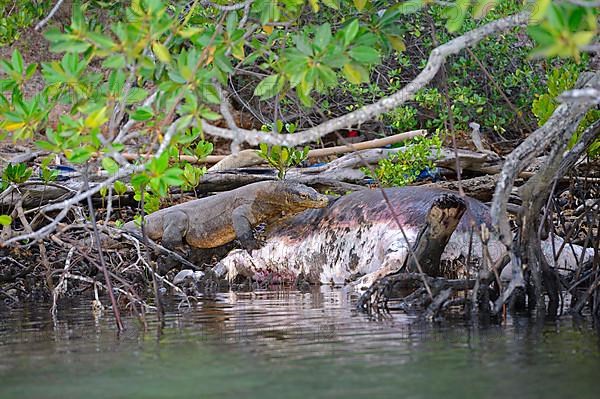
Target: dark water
x=291, y=345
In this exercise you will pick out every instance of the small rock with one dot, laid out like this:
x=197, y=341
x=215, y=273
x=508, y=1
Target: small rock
x=185, y=274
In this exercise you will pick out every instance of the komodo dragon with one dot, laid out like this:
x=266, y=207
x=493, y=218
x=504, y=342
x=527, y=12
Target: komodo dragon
x=217, y=220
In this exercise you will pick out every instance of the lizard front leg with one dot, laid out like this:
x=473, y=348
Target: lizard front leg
x=243, y=227
x=175, y=227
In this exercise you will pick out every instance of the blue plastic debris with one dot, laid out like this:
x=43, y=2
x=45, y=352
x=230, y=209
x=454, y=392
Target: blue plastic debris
x=433, y=174
x=64, y=172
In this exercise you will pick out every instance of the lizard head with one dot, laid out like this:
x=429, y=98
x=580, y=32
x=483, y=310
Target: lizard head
x=297, y=197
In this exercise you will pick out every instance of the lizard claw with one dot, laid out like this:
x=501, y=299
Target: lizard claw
x=260, y=241
x=250, y=244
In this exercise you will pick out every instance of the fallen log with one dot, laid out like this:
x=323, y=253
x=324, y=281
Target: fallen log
x=340, y=176
x=480, y=187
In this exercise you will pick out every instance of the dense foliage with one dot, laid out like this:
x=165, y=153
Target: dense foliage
x=164, y=68
x=404, y=166
x=17, y=15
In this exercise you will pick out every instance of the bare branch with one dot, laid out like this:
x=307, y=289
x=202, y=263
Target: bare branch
x=585, y=140
x=559, y=124
x=436, y=60
x=44, y=21
x=585, y=3
x=129, y=124
x=231, y=7
x=226, y=112
x=590, y=95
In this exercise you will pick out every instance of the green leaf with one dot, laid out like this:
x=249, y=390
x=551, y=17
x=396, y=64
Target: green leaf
x=482, y=7
x=223, y=62
x=96, y=118
x=323, y=36
x=209, y=93
x=237, y=50
x=120, y=187
x=455, y=18
x=203, y=149
x=270, y=12
x=172, y=177
x=350, y=31
x=556, y=17
x=162, y=162
x=79, y=155
x=142, y=114
x=303, y=45
x=410, y=6
x=291, y=127
x=575, y=18
x=539, y=11
x=184, y=121
x=355, y=73
x=303, y=90
x=46, y=146
x=334, y=4
x=114, y=61
x=232, y=22
x=269, y=87
x=158, y=186
x=54, y=35
x=116, y=81
x=541, y=35
x=101, y=40
x=70, y=46
x=140, y=179
x=135, y=95
x=285, y=154
x=30, y=71
x=278, y=125
x=5, y=220
x=161, y=52
x=364, y=55
x=582, y=38
x=189, y=32
x=327, y=75
x=110, y=165
x=397, y=42
x=360, y=4
x=209, y=115
x=17, y=62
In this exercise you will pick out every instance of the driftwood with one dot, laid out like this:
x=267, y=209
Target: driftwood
x=250, y=157
x=480, y=187
x=36, y=193
x=469, y=160
x=340, y=175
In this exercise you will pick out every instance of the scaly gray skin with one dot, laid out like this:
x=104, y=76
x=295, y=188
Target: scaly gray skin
x=217, y=220
x=355, y=240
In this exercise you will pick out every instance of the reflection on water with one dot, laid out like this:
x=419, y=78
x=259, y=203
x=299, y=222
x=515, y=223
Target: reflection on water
x=291, y=345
